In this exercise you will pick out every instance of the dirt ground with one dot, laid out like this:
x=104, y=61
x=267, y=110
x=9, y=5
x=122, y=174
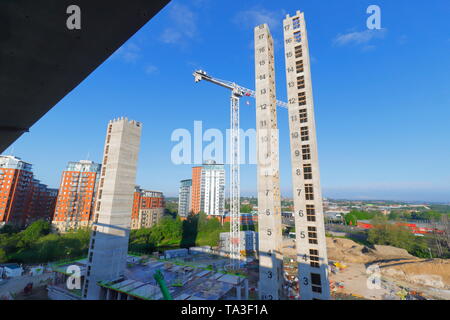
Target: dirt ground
x=15, y=286
x=355, y=280
x=398, y=271
x=39, y=293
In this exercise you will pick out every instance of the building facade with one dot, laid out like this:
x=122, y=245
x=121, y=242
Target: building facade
x=208, y=189
x=108, y=247
x=23, y=199
x=248, y=239
x=196, y=189
x=212, y=195
x=184, y=198
x=307, y=195
x=148, y=208
x=76, y=199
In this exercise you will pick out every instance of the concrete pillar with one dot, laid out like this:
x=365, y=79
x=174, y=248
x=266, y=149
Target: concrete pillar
x=307, y=195
x=112, y=219
x=239, y=292
x=269, y=202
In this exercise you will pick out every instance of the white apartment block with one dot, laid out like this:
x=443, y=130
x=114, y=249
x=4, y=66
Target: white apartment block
x=213, y=189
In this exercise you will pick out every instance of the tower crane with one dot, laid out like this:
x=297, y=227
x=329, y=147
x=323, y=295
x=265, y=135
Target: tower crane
x=237, y=92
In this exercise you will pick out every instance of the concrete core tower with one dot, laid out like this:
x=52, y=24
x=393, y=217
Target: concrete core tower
x=308, y=210
x=110, y=233
x=269, y=202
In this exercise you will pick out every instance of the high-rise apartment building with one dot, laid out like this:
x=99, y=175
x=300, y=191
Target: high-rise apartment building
x=184, y=198
x=196, y=189
x=43, y=202
x=308, y=210
x=269, y=200
x=208, y=189
x=76, y=199
x=112, y=220
x=213, y=189
x=148, y=208
x=23, y=199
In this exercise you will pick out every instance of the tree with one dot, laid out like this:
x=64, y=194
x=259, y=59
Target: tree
x=33, y=232
x=2, y=256
x=350, y=219
x=246, y=208
x=394, y=215
x=385, y=233
x=171, y=208
x=9, y=229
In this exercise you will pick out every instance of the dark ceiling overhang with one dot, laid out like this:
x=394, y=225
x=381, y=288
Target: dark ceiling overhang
x=41, y=60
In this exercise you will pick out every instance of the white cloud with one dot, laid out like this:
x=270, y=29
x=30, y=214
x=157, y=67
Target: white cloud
x=129, y=52
x=359, y=37
x=184, y=25
x=257, y=15
x=150, y=69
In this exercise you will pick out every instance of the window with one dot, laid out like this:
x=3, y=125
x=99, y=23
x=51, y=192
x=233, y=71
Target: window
x=299, y=66
x=301, y=98
x=304, y=133
x=314, y=258
x=297, y=36
x=316, y=283
x=307, y=171
x=296, y=23
x=312, y=235
x=298, y=51
x=309, y=192
x=306, y=152
x=310, y=212
x=301, y=82
x=303, y=116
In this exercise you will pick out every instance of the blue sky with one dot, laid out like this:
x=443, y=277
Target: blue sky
x=381, y=98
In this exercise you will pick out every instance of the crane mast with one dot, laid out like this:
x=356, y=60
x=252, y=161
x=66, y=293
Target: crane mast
x=235, y=225
x=235, y=192
x=236, y=93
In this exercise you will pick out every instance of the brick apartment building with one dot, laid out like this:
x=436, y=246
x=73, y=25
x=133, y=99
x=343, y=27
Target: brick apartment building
x=196, y=189
x=148, y=208
x=23, y=199
x=77, y=195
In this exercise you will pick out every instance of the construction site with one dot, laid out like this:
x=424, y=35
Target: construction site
x=150, y=278
x=313, y=266
x=355, y=268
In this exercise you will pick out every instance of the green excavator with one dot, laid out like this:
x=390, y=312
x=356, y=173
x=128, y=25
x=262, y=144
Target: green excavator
x=159, y=277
